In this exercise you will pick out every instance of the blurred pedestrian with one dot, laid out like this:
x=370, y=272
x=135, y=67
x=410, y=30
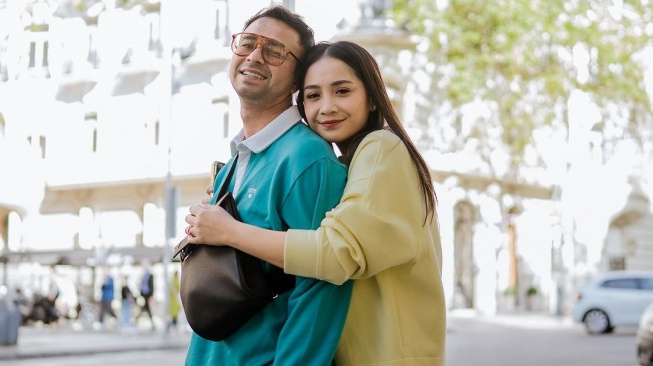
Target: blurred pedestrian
x=52, y=294
x=174, y=304
x=147, y=290
x=108, y=294
x=126, y=301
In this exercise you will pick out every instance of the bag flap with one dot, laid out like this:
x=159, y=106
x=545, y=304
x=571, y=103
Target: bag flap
x=228, y=203
x=179, y=247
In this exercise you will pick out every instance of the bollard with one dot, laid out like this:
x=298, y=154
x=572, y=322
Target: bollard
x=10, y=319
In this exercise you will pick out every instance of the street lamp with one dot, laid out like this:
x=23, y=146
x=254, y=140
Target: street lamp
x=167, y=54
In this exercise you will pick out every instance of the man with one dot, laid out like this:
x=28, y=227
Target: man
x=146, y=290
x=286, y=177
x=53, y=295
x=106, y=299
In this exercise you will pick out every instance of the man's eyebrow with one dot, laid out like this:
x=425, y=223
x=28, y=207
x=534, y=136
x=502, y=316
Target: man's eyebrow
x=335, y=83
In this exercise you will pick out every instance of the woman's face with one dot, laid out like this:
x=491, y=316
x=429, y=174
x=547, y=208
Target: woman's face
x=335, y=100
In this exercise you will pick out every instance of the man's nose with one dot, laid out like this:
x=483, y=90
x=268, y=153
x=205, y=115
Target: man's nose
x=257, y=54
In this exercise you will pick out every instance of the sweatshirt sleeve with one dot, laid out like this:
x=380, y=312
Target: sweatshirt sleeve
x=375, y=225
x=317, y=310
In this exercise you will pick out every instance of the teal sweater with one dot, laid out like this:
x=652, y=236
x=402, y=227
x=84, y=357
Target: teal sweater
x=290, y=183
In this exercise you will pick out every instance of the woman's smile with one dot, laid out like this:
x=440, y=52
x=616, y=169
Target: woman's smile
x=330, y=124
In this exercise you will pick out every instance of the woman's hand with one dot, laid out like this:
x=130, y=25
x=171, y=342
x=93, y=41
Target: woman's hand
x=210, y=224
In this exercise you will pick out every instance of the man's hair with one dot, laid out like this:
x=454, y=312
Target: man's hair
x=294, y=21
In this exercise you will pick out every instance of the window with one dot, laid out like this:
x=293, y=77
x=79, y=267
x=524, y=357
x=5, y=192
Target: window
x=90, y=118
x=646, y=283
x=617, y=263
x=625, y=283
x=38, y=53
x=40, y=140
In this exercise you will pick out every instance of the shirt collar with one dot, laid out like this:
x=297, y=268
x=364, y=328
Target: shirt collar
x=269, y=134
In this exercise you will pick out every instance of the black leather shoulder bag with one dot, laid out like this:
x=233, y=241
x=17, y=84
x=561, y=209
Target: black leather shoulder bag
x=222, y=288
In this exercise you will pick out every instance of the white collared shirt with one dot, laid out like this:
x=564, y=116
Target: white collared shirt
x=260, y=141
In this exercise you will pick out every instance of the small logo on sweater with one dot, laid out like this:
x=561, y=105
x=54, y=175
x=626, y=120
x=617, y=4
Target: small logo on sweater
x=250, y=192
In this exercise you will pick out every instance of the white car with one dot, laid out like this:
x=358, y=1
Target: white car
x=613, y=299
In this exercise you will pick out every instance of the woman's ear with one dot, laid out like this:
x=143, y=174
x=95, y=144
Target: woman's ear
x=372, y=106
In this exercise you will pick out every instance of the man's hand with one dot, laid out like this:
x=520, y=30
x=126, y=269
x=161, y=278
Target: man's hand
x=209, y=192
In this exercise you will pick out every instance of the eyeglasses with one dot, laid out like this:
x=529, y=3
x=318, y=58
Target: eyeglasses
x=273, y=51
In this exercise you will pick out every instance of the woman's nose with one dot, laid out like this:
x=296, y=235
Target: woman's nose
x=328, y=106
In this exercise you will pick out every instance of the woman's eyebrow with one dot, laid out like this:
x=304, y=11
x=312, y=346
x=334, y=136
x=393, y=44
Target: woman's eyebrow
x=335, y=83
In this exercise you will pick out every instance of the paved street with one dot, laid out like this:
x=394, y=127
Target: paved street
x=533, y=340
x=503, y=340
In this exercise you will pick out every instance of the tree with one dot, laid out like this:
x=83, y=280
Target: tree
x=522, y=60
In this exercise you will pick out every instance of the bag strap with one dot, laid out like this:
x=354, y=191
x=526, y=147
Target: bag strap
x=278, y=279
x=225, y=184
x=227, y=180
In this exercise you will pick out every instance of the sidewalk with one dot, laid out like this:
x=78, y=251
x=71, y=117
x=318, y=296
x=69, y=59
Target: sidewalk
x=526, y=320
x=35, y=342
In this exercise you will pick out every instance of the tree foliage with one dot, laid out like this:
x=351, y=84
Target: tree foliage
x=524, y=58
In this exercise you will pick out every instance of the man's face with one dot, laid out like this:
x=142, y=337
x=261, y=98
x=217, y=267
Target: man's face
x=256, y=80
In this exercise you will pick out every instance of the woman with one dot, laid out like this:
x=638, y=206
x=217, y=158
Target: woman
x=126, y=301
x=383, y=233
x=173, y=301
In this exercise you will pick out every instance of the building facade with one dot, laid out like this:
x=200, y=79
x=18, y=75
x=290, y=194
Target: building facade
x=110, y=118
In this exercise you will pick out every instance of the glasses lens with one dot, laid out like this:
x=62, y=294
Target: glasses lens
x=274, y=52
x=244, y=44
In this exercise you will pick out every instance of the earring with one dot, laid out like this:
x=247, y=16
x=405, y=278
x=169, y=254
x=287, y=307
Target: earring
x=373, y=108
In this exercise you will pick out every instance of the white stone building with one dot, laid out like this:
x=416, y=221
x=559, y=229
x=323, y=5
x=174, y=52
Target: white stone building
x=104, y=111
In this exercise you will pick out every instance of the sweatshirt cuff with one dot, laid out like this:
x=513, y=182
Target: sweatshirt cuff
x=300, y=253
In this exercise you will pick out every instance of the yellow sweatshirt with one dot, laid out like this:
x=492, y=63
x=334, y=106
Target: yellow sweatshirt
x=376, y=235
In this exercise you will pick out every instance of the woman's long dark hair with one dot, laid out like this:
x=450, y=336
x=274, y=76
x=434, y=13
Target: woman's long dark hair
x=383, y=116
